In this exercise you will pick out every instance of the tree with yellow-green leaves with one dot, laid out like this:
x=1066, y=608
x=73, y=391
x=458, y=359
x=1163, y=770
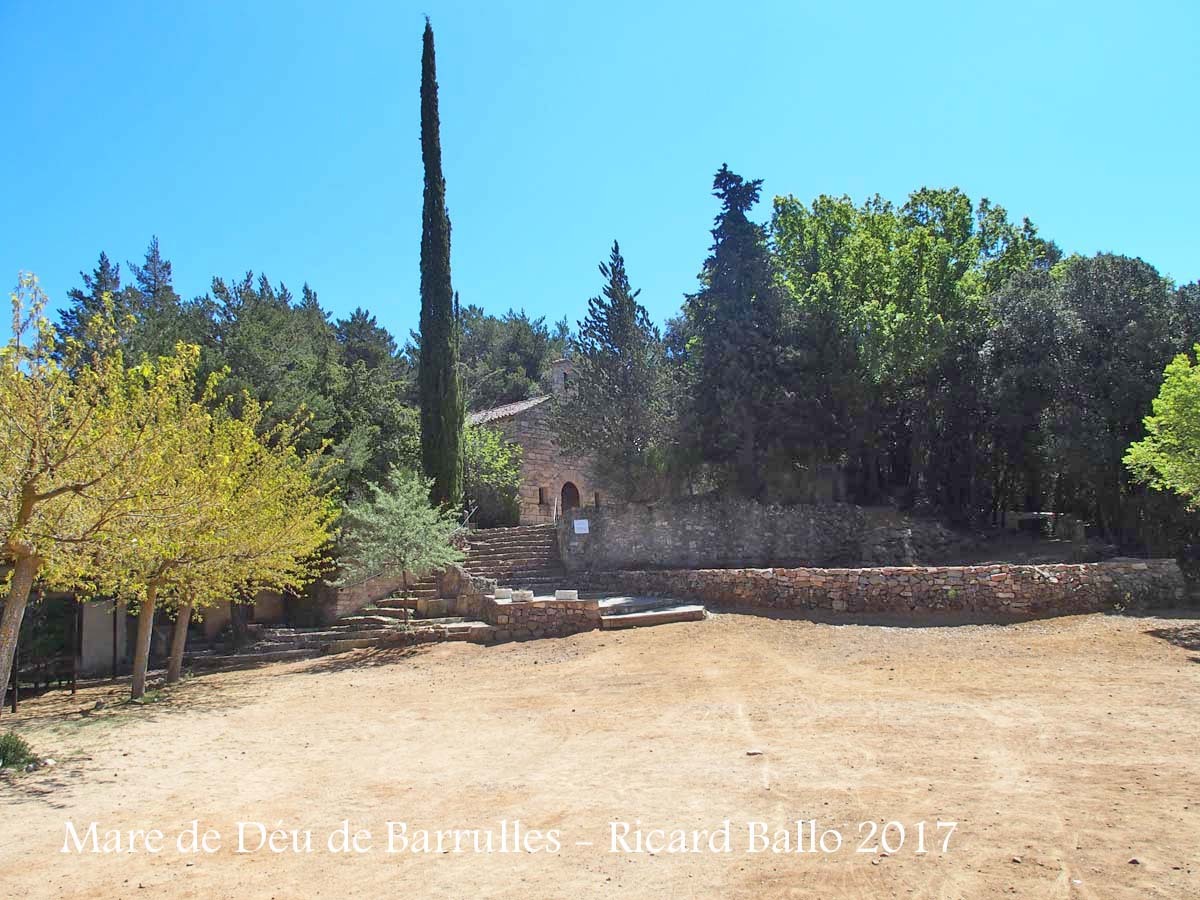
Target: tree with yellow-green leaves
x=115, y=479
x=273, y=517
x=241, y=511
x=77, y=450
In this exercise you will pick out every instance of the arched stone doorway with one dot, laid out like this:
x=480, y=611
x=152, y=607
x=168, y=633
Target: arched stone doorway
x=570, y=496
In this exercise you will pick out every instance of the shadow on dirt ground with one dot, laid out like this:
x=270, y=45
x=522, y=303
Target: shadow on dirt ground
x=1185, y=636
x=364, y=659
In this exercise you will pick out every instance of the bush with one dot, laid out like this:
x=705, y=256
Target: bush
x=491, y=476
x=396, y=530
x=15, y=752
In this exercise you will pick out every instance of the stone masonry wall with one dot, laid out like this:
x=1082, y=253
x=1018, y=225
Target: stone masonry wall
x=518, y=620
x=1016, y=590
x=715, y=532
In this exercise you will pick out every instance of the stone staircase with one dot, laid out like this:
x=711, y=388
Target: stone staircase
x=524, y=557
x=380, y=626
x=280, y=643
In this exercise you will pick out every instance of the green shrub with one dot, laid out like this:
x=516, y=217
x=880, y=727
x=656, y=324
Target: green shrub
x=15, y=752
x=491, y=476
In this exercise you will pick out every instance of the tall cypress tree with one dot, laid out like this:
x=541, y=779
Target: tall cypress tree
x=442, y=410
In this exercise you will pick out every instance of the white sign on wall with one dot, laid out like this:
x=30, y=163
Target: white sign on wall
x=581, y=526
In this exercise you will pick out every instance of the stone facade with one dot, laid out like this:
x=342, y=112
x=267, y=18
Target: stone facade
x=1006, y=590
x=716, y=532
x=551, y=480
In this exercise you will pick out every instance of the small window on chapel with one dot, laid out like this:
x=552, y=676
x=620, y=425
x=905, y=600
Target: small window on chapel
x=541, y=496
x=597, y=499
x=564, y=379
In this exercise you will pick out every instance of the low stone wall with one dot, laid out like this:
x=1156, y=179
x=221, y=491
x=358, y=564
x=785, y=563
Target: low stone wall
x=345, y=600
x=520, y=619
x=732, y=532
x=1015, y=590
x=465, y=591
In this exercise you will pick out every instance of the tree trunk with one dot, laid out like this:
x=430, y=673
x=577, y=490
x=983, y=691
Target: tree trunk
x=178, y=642
x=141, y=652
x=23, y=574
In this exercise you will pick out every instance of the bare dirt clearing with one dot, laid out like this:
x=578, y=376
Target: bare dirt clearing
x=1063, y=748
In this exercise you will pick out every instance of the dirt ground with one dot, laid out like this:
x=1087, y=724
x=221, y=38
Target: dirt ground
x=1064, y=749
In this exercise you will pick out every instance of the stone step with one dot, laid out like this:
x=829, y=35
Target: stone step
x=250, y=658
x=523, y=544
x=402, y=613
x=511, y=557
x=478, y=632
x=538, y=566
x=366, y=621
x=547, y=539
x=309, y=641
x=504, y=555
x=395, y=603
x=328, y=634
x=540, y=577
x=547, y=589
x=519, y=553
x=535, y=565
x=513, y=544
x=653, y=617
x=387, y=639
x=541, y=572
x=512, y=530
x=491, y=537
x=621, y=604
x=492, y=571
x=539, y=589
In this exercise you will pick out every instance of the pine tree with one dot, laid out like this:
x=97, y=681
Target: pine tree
x=154, y=277
x=85, y=303
x=160, y=317
x=617, y=409
x=442, y=410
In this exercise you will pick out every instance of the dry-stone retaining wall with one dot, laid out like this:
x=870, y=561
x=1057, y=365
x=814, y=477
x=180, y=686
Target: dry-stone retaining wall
x=1016, y=590
x=730, y=532
x=517, y=619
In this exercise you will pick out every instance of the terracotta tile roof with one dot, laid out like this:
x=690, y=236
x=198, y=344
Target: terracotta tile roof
x=506, y=411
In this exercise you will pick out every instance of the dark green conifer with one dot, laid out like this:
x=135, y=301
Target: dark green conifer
x=736, y=318
x=442, y=411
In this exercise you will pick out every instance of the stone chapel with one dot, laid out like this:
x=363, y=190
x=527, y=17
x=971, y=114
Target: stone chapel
x=551, y=480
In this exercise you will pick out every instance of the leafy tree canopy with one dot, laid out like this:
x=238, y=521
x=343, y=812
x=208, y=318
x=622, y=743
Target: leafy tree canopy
x=1168, y=457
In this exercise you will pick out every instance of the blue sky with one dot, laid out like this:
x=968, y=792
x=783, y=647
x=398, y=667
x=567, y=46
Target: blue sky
x=283, y=136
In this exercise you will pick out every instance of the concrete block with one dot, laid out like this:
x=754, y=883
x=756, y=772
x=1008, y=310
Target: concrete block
x=431, y=607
